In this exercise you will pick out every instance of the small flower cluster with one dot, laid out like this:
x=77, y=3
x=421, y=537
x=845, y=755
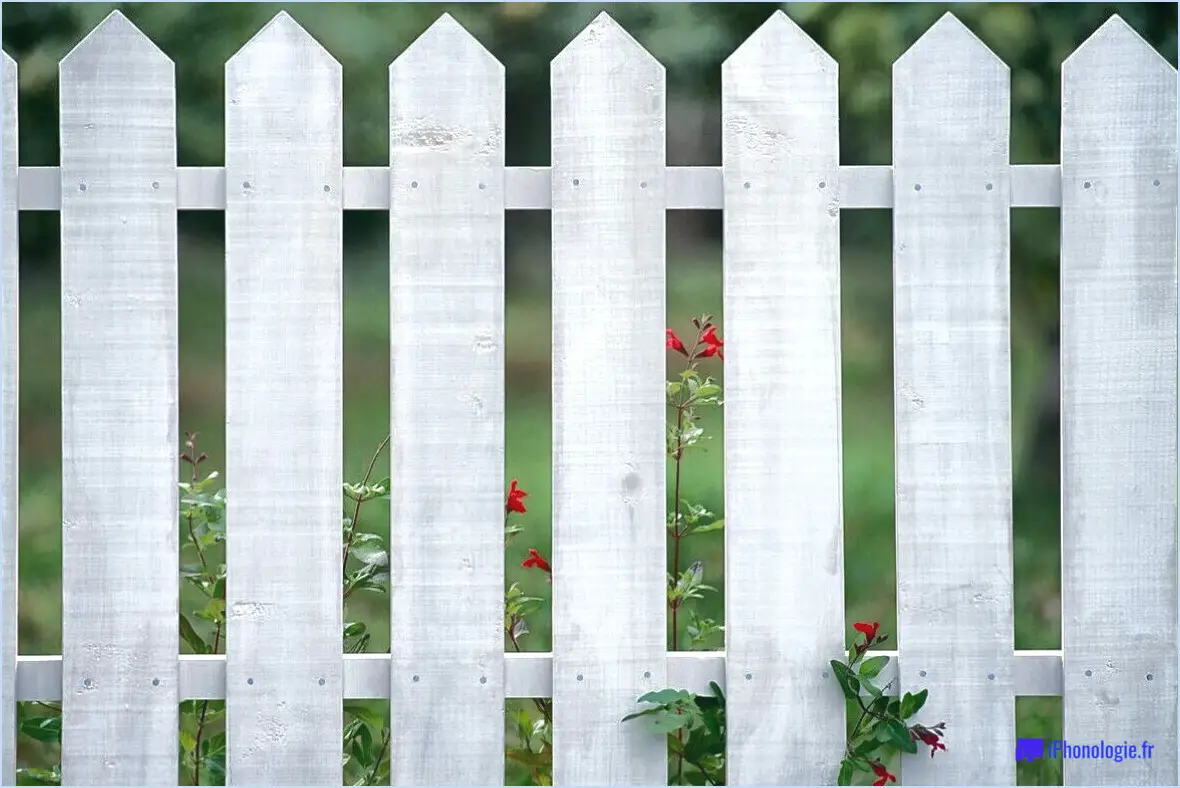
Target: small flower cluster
x=881, y=728
x=712, y=344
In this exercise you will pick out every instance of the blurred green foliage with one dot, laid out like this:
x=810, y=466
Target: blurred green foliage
x=691, y=40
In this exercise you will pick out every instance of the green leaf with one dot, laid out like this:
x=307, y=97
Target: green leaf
x=912, y=704
x=899, y=736
x=38, y=777
x=866, y=747
x=872, y=666
x=645, y=713
x=716, y=525
x=364, y=713
x=43, y=729
x=665, y=696
x=848, y=682
x=190, y=636
x=871, y=687
x=846, y=770
x=215, y=767
x=669, y=723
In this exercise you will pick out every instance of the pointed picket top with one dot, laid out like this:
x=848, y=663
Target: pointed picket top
x=115, y=36
x=10, y=75
x=952, y=46
x=779, y=39
x=445, y=40
x=282, y=36
x=604, y=38
x=1116, y=47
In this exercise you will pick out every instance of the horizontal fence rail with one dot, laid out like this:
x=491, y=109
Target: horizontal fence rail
x=530, y=188
x=526, y=675
x=782, y=191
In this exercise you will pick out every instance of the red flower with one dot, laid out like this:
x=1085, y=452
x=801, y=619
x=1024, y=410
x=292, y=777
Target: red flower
x=882, y=773
x=674, y=342
x=713, y=345
x=930, y=739
x=537, y=560
x=515, y=501
x=869, y=630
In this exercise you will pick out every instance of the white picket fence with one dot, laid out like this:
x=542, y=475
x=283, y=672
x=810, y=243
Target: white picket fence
x=283, y=189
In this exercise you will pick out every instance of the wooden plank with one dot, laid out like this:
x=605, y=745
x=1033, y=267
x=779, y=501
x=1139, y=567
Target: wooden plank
x=1118, y=405
x=119, y=366
x=609, y=507
x=283, y=238
x=526, y=674
x=446, y=152
x=952, y=401
x=9, y=423
x=528, y=188
x=784, y=528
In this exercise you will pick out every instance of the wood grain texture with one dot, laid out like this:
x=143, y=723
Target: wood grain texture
x=9, y=422
x=526, y=674
x=952, y=401
x=1118, y=405
x=446, y=150
x=609, y=507
x=784, y=529
x=119, y=370
x=283, y=233
x=694, y=188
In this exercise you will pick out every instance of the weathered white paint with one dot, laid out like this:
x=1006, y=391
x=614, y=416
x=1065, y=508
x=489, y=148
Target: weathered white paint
x=609, y=488
x=9, y=421
x=446, y=148
x=284, y=336
x=784, y=532
x=283, y=233
x=1118, y=404
x=526, y=674
x=119, y=369
x=528, y=188
x=952, y=399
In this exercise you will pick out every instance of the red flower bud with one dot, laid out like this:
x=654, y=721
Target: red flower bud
x=713, y=345
x=882, y=773
x=515, y=502
x=930, y=739
x=673, y=342
x=868, y=630
x=537, y=560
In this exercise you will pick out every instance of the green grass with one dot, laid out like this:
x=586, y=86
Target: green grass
x=695, y=287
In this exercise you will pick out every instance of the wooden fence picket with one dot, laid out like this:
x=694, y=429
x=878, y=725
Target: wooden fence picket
x=9, y=419
x=609, y=487
x=446, y=150
x=119, y=370
x=284, y=434
x=784, y=548
x=952, y=400
x=1118, y=405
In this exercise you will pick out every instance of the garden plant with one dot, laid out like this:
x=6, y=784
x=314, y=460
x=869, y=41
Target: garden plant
x=879, y=727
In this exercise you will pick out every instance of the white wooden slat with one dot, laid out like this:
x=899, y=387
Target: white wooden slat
x=528, y=188
x=952, y=401
x=609, y=562
x=784, y=532
x=526, y=674
x=283, y=236
x=446, y=151
x=119, y=367
x=9, y=423
x=1118, y=412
